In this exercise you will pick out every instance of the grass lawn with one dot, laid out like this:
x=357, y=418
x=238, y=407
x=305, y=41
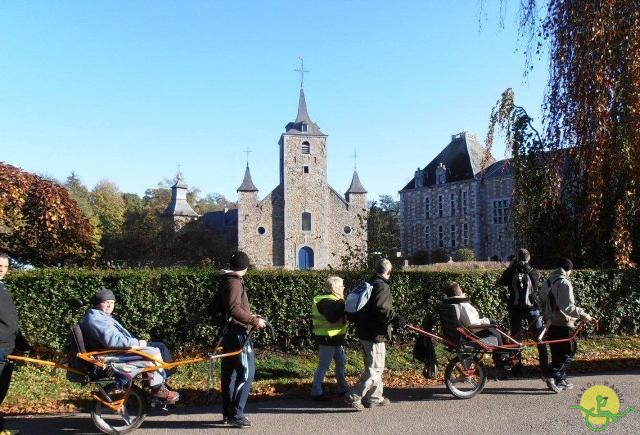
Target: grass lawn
x=39, y=390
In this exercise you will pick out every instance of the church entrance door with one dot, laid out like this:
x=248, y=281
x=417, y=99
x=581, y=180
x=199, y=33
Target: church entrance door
x=305, y=258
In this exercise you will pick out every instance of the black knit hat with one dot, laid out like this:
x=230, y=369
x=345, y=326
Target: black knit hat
x=523, y=255
x=103, y=294
x=239, y=261
x=566, y=264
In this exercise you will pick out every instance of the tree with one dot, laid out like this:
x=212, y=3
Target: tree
x=592, y=116
x=383, y=225
x=80, y=195
x=40, y=223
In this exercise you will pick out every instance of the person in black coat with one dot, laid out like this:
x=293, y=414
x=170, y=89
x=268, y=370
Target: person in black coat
x=373, y=328
x=10, y=337
x=522, y=303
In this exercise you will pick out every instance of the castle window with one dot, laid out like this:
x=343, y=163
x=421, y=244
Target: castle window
x=453, y=204
x=440, y=236
x=500, y=211
x=347, y=229
x=465, y=234
x=305, y=169
x=427, y=237
x=306, y=148
x=306, y=221
x=464, y=202
x=427, y=207
x=439, y=205
x=453, y=236
x=261, y=231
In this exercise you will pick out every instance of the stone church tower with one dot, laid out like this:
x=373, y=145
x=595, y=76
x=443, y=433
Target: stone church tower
x=303, y=223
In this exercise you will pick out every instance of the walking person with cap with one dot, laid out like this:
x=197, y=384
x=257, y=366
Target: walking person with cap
x=561, y=314
x=237, y=371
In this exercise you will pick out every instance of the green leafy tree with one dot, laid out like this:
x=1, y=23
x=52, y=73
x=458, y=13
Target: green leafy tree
x=80, y=194
x=383, y=226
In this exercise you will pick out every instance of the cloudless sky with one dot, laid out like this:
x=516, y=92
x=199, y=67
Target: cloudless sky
x=129, y=90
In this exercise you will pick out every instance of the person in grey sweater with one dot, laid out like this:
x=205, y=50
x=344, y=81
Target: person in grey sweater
x=561, y=314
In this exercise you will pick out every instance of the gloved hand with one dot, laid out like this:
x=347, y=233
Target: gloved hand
x=400, y=322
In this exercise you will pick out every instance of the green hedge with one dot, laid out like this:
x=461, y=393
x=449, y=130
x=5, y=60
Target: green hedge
x=170, y=304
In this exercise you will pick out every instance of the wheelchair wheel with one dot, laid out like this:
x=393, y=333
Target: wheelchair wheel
x=465, y=377
x=128, y=419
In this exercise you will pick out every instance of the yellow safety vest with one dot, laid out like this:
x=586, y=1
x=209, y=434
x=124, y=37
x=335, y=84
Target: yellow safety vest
x=321, y=326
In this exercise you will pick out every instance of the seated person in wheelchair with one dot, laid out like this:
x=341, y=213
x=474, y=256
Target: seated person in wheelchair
x=102, y=331
x=468, y=316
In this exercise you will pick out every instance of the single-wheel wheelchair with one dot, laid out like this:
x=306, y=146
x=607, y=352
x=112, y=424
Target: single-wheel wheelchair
x=465, y=374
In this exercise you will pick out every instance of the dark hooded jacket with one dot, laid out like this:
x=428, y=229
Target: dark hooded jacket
x=506, y=279
x=376, y=317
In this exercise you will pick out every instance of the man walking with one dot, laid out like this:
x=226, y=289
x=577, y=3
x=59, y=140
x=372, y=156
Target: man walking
x=561, y=314
x=373, y=328
x=237, y=371
x=10, y=337
x=522, y=304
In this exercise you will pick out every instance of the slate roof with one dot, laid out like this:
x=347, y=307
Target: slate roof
x=500, y=168
x=296, y=127
x=356, y=185
x=220, y=220
x=247, y=183
x=462, y=158
x=179, y=205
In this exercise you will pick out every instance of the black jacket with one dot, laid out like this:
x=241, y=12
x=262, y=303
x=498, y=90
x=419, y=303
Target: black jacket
x=506, y=279
x=375, y=319
x=10, y=337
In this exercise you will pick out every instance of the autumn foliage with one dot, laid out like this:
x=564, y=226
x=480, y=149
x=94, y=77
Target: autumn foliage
x=39, y=223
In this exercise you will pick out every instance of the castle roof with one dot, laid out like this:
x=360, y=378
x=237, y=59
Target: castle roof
x=179, y=205
x=303, y=124
x=356, y=186
x=247, y=183
x=463, y=159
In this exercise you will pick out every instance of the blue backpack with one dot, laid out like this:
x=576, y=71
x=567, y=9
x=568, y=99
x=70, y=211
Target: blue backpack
x=357, y=299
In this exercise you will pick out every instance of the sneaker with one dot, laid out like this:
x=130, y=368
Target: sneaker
x=551, y=383
x=163, y=393
x=241, y=421
x=353, y=402
x=566, y=385
x=383, y=402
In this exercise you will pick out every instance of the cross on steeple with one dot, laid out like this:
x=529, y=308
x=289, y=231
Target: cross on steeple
x=247, y=151
x=301, y=71
x=355, y=159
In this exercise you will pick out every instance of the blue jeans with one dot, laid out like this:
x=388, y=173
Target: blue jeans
x=532, y=317
x=236, y=375
x=328, y=353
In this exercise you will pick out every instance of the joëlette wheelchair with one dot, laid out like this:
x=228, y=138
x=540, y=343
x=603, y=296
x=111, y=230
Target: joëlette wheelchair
x=118, y=408
x=465, y=374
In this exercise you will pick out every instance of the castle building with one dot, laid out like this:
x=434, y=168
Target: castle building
x=303, y=223
x=461, y=199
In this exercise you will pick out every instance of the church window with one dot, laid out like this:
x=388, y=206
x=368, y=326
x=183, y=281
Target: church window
x=305, y=169
x=347, y=229
x=306, y=221
x=453, y=236
x=261, y=231
x=427, y=237
x=427, y=207
x=303, y=127
x=440, y=236
x=306, y=147
x=439, y=205
x=453, y=204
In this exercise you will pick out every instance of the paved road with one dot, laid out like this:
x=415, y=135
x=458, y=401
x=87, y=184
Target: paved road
x=505, y=407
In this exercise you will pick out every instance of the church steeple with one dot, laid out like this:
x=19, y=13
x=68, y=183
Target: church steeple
x=303, y=115
x=247, y=183
x=356, y=185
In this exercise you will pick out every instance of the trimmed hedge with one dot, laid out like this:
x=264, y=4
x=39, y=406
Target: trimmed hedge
x=171, y=304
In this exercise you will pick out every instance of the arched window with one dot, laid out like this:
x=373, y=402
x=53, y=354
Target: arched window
x=306, y=148
x=306, y=221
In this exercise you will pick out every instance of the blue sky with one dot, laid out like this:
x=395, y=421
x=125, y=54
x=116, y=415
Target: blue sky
x=129, y=90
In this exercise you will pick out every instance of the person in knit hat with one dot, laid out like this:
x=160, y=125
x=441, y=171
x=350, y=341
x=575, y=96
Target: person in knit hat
x=237, y=371
x=102, y=331
x=561, y=314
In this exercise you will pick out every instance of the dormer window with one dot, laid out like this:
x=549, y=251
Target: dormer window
x=306, y=148
x=303, y=127
x=441, y=174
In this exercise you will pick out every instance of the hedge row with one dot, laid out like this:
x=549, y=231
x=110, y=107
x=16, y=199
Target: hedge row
x=171, y=304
